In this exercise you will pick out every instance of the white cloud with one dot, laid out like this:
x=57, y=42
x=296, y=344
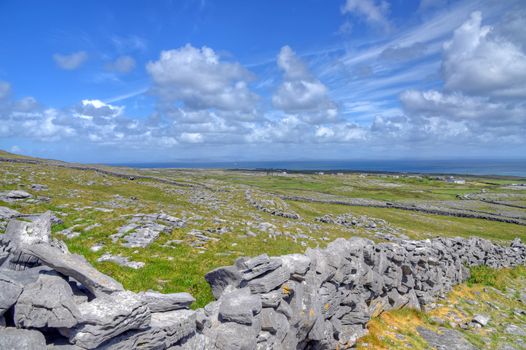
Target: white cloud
x=72, y=61
x=90, y=109
x=375, y=12
x=460, y=107
x=123, y=64
x=5, y=89
x=300, y=92
x=199, y=79
x=191, y=137
x=476, y=62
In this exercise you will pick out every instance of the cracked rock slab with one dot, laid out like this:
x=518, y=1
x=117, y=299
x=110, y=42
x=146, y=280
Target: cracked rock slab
x=48, y=302
x=445, y=339
x=75, y=266
x=158, y=302
x=10, y=291
x=106, y=317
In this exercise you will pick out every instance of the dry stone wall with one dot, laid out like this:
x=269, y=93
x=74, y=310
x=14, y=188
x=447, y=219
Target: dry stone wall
x=323, y=299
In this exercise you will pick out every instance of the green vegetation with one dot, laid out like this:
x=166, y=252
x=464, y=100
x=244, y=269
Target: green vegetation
x=218, y=208
x=483, y=294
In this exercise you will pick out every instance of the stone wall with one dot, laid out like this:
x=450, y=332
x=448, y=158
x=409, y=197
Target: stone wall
x=322, y=299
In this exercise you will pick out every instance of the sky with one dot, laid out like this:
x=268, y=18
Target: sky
x=236, y=80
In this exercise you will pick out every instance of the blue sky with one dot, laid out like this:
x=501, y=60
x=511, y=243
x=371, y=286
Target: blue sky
x=112, y=81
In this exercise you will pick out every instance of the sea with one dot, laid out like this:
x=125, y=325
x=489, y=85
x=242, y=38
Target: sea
x=460, y=167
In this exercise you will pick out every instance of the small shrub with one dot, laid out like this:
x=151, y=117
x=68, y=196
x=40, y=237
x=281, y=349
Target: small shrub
x=483, y=275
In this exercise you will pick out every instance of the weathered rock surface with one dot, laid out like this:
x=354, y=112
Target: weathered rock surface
x=122, y=261
x=445, y=339
x=16, y=339
x=143, y=229
x=48, y=302
x=166, y=329
x=106, y=317
x=10, y=291
x=74, y=266
x=158, y=302
x=239, y=306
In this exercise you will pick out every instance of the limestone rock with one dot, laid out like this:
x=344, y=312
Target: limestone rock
x=106, y=317
x=446, y=339
x=235, y=336
x=10, y=292
x=48, y=302
x=270, y=281
x=74, y=266
x=158, y=302
x=239, y=306
x=16, y=339
x=122, y=261
x=7, y=213
x=221, y=278
x=481, y=319
x=166, y=330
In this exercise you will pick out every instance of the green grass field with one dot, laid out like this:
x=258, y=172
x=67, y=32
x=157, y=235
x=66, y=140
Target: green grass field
x=218, y=201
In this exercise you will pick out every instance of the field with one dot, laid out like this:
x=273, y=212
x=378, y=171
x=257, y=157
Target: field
x=223, y=215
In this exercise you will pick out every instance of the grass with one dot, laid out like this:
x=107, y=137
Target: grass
x=74, y=195
x=483, y=294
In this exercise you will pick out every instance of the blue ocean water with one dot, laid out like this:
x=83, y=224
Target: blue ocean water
x=462, y=167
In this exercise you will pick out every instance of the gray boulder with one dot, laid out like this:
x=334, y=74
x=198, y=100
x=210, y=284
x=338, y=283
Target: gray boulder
x=10, y=291
x=481, y=319
x=7, y=213
x=235, y=336
x=19, y=233
x=239, y=306
x=106, y=317
x=221, y=278
x=48, y=302
x=158, y=302
x=269, y=281
x=18, y=339
x=515, y=330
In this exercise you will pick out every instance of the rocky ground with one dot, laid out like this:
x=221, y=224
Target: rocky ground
x=164, y=229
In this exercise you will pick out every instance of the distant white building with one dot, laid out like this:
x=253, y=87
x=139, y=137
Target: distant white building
x=453, y=180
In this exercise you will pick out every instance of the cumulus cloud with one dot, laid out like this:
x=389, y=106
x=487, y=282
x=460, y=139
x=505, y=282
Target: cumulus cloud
x=300, y=92
x=374, y=12
x=123, y=64
x=201, y=80
x=479, y=63
x=72, y=61
x=483, y=98
x=460, y=107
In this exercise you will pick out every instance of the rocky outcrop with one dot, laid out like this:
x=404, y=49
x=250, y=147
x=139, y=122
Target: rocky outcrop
x=143, y=229
x=322, y=299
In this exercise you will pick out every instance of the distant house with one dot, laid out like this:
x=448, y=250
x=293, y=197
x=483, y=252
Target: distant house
x=451, y=179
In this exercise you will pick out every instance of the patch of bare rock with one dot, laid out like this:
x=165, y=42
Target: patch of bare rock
x=143, y=229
